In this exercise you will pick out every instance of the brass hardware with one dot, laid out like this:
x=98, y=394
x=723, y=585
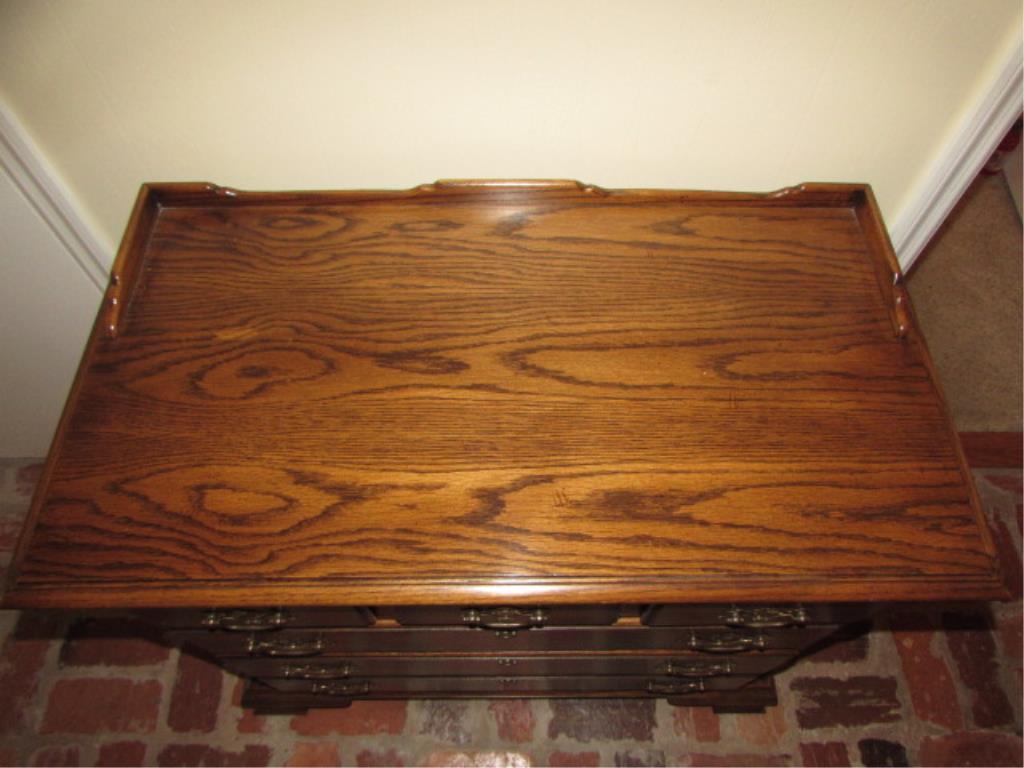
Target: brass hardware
x=675, y=687
x=695, y=668
x=506, y=619
x=246, y=621
x=507, y=662
x=507, y=682
x=221, y=191
x=473, y=185
x=726, y=642
x=901, y=305
x=341, y=689
x=765, y=617
x=285, y=646
x=318, y=671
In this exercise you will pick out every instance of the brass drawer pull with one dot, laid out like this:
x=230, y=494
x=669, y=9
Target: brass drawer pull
x=318, y=671
x=695, y=668
x=765, y=617
x=284, y=646
x=341, y=689
x=246, y=621
x=505, y=619
x=507, y=662
x=675, y=687
x=727, y=642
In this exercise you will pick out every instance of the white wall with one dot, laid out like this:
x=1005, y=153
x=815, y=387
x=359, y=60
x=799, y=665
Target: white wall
x=47, y=305
x=723, y=94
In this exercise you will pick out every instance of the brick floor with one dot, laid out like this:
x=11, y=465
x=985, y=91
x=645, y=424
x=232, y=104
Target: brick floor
x=937, y=687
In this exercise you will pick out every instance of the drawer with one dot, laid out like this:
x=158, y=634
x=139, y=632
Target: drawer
x=334, y=668
x=299, y=643
x=253, y=619
x=504, y=617
x=356, y=687
x=754, y=616
x=266, y=700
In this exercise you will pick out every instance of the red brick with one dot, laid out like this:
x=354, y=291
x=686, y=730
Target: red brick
x=973, y=648
x=697, y=723
x=929, y=681
x=122, y=753
x=862, y=700
x=446, y=721
x=111, y=643
x=11, y=521
x=202, y=754
x=21, y=660
x=1012, y=483
x=738, y=760
x=979, y=748
x=26, y=479
x=1011, y=636
x=763, y=729
x=829, y=753
x=602, y=719
x=571, y=759
x=640, y=758
x=196, y=695
x=315, y=753
x=56, y=756
x=879, y=752
x=367, y=758
x=248, y=721
x=362, y=718
x=515, y=719
x=477, y=759
x=91, y=705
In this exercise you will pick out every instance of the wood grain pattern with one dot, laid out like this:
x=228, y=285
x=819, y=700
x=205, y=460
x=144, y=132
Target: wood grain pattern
x=478, y=392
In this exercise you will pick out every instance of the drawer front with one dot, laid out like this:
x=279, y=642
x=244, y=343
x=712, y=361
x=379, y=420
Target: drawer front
x=357, y=687
x=774, y=616
x=264, y=699
x=504, y=618
x=257, y=619
x=682, y=666
x=308, y=643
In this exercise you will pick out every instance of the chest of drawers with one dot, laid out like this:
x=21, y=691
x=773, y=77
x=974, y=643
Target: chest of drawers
x=504, y=439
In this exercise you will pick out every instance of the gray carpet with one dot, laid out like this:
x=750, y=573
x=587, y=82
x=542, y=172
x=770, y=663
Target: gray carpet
x=967, y=292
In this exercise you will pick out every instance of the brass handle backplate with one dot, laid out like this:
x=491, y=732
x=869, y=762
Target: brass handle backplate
x=285, y=646
x=726, y=642
x=505, y=619
x=318, y=671
x=675, y=687
x=695, y=668
x=341, y=689
x=246, y=621
x=765, y=617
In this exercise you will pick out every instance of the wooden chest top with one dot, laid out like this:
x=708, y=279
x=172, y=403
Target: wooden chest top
x=517, y=391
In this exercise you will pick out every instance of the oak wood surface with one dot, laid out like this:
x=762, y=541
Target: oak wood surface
x=479, y=392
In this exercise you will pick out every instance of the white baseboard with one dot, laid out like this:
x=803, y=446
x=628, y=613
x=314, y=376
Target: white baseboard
x=960, y=161
x=43, y=188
